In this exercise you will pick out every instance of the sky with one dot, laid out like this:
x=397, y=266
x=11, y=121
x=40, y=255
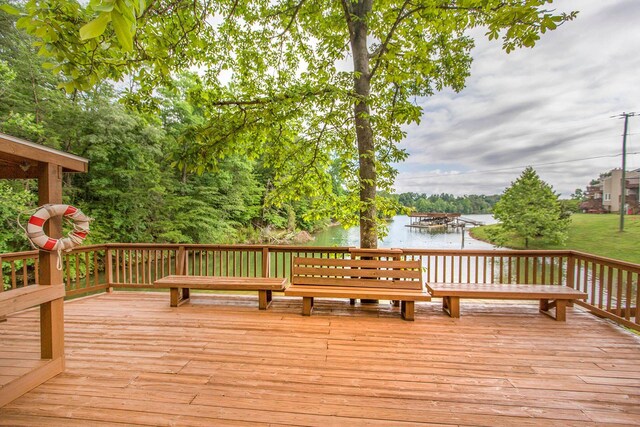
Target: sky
x=549, y=107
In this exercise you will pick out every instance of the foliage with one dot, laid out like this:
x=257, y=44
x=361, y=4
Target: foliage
x=272, y=82
x=468, y=204
x=134, y=188
x=530, y=209
x=14, y=198
x=569, y=206
x=594, y=234
x=579, y=195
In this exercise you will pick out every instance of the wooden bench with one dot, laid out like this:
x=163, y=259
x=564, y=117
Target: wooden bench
x=358, y=279
x=550, y=296
x=180, y=286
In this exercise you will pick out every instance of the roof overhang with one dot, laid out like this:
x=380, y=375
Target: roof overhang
x=21, y=159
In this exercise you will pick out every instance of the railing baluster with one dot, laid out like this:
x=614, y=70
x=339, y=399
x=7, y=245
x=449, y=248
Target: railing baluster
x=637, y=313
x=627, y=301
x=601, y=287
x=619, y=285
x=14, y=280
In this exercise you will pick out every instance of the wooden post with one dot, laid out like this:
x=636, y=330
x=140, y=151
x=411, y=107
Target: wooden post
x=307, y=306
x=109, y=269
x=51, y=313
x=266, y=262
x=396, y=303
x=571, y=267
x=571, y=275
x=2, y=318
x=184, y=294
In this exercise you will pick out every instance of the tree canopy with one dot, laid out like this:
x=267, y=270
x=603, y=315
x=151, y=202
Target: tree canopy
x=531, y=210
x=308, y=87
x=133, y=188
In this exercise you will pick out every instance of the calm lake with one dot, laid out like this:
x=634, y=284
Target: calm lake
x=401, y=236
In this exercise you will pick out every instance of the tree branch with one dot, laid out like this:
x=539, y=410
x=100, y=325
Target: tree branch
x=296, y=9
x=383, y=47
x=347, y=16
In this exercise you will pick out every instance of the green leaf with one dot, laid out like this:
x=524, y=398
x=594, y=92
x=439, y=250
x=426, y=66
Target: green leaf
x=104, y=7
x=123, y=31
x=10, y=9
x=96, y=27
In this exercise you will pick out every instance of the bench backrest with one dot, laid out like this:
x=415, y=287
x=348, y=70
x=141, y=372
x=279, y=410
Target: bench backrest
x=357, y=273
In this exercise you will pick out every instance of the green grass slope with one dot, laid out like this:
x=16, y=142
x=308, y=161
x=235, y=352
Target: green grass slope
x=594, y=234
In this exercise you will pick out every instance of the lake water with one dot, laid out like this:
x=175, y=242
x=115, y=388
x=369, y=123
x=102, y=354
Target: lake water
x=401, y=236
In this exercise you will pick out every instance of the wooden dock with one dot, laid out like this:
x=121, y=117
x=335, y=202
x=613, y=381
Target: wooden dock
x=133, y=360
x=439, y=220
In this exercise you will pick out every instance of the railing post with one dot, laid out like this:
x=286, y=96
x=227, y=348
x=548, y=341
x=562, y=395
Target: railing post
x=571, y=273
x=183, y=294
x=181, y=261
x=2, y=318
x=266, y=262
x=52, y=312
x=108, y=269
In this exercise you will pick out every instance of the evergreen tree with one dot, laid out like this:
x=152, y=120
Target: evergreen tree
x=530, y=209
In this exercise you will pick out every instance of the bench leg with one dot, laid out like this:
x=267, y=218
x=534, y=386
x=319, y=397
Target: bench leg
x=544, y=305
x=451, y=306
x=307, y=306
x=178, y=296
x=352, y=301
x=561, y=309
x=264, y=299
x=407, y=309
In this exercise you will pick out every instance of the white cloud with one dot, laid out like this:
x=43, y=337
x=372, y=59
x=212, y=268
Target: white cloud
x=535, y=106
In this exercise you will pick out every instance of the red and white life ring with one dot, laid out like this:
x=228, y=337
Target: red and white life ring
x=37, y=235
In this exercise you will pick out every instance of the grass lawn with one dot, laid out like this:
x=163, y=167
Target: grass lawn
x=591, y=233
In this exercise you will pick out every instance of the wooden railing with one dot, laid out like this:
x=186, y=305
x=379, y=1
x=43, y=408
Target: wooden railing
x=612, y=285
x=18, y=269
x=83, y=270
x=138, y=265
x=492, y=266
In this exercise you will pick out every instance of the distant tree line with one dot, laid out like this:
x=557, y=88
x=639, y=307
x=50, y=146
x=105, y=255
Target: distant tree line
x=468, y=204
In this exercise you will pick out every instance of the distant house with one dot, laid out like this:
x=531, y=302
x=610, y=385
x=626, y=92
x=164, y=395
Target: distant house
x=604, y=194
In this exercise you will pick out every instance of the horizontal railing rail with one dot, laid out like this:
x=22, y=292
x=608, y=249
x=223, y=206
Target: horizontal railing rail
x=611, y=285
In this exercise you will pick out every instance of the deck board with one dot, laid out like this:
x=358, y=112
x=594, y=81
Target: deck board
x=133, y=360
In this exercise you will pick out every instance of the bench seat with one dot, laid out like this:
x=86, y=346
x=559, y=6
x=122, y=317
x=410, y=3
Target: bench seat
x=180, y=285
x=550, y=296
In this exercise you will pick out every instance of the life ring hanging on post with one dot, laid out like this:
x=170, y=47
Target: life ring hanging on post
x=36, y=233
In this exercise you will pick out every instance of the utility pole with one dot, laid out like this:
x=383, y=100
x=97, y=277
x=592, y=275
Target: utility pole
x=623, y=180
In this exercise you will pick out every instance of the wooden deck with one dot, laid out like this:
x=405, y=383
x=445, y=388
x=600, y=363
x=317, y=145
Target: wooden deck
x=132, y=359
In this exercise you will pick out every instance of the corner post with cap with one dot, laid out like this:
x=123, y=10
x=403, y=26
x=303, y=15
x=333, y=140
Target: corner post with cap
x=51, y=313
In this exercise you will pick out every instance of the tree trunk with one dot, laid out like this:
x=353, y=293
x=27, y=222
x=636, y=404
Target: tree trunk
x=364, y=132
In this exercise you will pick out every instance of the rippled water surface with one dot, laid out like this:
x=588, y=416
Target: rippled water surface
x=401, y=236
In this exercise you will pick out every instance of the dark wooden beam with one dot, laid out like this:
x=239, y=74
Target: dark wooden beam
x=16, y=172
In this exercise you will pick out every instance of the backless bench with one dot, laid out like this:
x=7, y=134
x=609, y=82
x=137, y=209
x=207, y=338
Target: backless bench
x=550, y=296
x=180, y=286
